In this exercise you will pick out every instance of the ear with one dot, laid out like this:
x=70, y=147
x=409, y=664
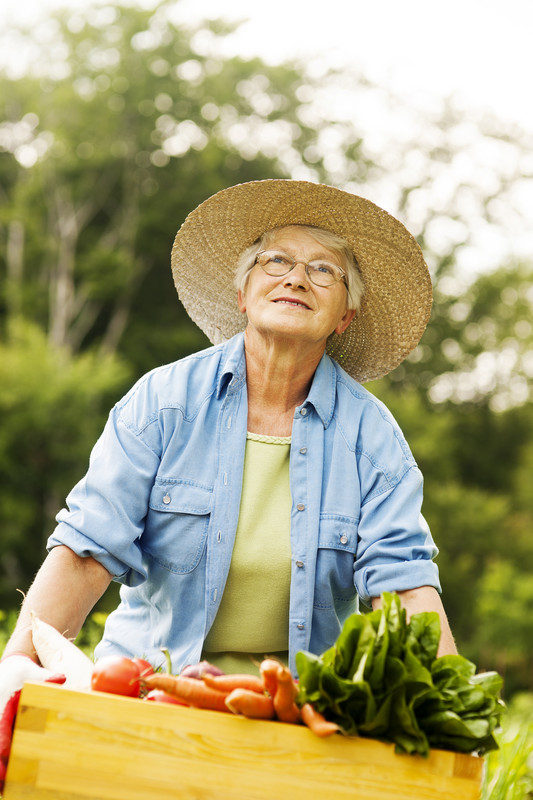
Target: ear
x=345, y=320
x=241, y=301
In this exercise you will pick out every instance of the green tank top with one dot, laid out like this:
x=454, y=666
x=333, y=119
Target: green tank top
x=253, y=617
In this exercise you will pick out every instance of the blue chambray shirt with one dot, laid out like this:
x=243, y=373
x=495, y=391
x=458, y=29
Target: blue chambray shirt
x=159, y=504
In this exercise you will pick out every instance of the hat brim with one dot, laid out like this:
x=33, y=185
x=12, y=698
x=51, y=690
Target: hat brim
x=397, y=298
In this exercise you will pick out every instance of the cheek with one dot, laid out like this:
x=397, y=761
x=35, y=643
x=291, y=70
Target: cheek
x=257, y=287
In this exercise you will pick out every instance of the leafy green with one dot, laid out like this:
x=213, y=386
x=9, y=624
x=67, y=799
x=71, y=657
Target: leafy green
x=382, y=679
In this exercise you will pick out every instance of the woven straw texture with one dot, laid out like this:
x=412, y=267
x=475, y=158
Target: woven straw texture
x=397, y=298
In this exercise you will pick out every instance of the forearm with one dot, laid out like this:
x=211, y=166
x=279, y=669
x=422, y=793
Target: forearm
x=426, y=598
x=64, y=591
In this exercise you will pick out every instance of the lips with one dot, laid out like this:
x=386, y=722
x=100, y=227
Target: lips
x=292, y=301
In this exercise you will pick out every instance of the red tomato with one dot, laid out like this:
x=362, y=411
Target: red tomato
x=117, y=675
x=159, y=696
x=145, y=668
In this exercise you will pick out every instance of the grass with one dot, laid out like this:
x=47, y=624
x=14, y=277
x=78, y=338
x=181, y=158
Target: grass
x=509, y=770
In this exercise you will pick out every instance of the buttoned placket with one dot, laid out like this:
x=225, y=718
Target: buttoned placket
x=306, y=478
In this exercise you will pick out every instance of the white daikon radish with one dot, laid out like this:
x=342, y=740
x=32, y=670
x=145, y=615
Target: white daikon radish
x=59, y=654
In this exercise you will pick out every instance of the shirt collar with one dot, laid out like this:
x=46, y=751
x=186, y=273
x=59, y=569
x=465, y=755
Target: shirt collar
x=232, y=371
x=232, y=363
x=323, y=390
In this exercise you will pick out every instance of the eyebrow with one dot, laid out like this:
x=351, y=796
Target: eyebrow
x=328, y=259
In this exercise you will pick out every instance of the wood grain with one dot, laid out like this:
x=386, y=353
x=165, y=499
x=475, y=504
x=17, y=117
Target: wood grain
x=88, y=745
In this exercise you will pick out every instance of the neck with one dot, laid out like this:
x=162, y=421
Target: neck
x=279, y=376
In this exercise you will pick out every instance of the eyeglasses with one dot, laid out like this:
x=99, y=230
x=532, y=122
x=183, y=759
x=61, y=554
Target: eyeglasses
x=277, y=263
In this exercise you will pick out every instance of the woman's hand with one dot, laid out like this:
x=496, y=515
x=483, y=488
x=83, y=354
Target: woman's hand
x=426, y=598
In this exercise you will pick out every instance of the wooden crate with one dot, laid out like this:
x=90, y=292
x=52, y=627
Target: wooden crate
x=82, y=746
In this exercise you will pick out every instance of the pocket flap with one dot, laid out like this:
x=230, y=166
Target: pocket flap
x=180, y=497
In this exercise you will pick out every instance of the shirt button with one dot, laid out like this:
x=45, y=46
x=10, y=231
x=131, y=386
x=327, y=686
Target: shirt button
x=303, y=450
x=344, y=538
x=300, y=626
x=303, y=412
x=300, y=507
x=166, y=499
x=299, y=563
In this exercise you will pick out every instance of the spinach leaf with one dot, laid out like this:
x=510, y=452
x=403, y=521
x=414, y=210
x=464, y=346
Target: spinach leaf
x=382, y=679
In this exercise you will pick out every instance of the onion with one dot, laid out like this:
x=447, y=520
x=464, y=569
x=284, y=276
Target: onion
x=200, y=669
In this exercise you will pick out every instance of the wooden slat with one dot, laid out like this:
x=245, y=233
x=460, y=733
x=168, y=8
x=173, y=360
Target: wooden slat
x=86, y=746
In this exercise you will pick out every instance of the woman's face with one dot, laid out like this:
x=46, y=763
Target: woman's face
x=291, y=306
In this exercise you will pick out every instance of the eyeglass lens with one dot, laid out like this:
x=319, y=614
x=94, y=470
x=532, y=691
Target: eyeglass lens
x=277, y=263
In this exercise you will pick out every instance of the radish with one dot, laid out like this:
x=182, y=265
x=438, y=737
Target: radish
x=59, y=654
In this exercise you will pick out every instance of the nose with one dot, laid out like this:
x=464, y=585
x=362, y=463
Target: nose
x=297, y=276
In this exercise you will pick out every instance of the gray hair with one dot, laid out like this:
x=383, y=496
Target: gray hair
x=328, y=239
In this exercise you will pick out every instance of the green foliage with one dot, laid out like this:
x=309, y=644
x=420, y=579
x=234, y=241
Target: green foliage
x=91, y=633
x=382, y=679
x=505, y=626
x=7, y=624
x=52, y=409
x=509, y=770
x=106, y=154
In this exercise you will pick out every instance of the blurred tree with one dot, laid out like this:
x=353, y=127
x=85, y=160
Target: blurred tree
x=106, y=151
x=51, y=408
x=478, y=348
x=506, y=629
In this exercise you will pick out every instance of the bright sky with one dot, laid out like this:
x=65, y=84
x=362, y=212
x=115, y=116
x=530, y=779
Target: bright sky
x=479, y=50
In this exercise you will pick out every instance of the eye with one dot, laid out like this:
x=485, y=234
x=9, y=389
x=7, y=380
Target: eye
x=279, y=258
x=325, y=268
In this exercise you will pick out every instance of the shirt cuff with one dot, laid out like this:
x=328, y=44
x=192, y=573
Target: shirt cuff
x=398, y=576
x=83, y=546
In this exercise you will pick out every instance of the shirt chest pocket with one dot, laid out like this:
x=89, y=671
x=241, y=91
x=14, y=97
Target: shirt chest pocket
x=337, y=546
x=176, y=527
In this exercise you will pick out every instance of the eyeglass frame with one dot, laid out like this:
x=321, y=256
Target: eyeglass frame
x=306, y=264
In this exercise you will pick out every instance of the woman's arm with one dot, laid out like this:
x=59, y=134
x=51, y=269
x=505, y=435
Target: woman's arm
x=426, y=598
x=64, y=591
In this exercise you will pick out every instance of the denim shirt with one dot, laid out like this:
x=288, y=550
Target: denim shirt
x=159, y=505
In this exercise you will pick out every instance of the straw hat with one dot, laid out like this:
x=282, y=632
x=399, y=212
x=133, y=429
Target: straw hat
x=397, y=298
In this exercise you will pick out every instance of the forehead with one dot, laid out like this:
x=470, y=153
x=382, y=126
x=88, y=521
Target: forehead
x=294, y=238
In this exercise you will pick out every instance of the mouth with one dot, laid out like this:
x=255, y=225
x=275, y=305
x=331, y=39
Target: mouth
x=291, y=301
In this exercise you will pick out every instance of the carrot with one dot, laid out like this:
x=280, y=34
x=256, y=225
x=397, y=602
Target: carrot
x=316, y=721
x=236, y=680
x=250, y=704
x=268, y=670
x=284, y=698
x=192, y=691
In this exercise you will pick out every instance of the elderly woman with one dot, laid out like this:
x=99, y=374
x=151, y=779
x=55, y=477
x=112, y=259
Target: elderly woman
x=247, y=496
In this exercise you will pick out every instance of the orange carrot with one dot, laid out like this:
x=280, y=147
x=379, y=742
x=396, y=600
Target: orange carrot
x=192, y=691
x=286, y=691
x=268, y=670
x=236, y=680
x=316, y=722
x=250, y=704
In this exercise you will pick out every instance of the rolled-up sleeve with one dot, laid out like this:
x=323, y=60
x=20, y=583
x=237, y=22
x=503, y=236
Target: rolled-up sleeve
x=106, y=510
x=395, y=548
